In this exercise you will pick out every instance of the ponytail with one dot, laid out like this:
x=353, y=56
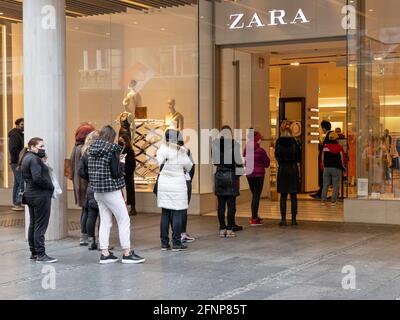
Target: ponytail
x=32, y=143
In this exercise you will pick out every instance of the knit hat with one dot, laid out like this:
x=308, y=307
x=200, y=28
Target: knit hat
x=333, y=136
x=83, y=131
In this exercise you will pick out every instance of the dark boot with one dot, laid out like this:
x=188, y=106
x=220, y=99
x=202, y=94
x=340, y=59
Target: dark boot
x=283, y=220
x=294, y=221
x=133, y=212
x=92, y=243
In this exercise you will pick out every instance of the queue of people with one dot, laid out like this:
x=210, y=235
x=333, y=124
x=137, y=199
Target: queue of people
x=103, y=165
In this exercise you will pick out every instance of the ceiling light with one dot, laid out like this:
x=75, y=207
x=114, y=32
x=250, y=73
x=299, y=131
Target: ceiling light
x=1, y=13
x=162, y=29
x=135, y=22
x=371, y=10
x=378, y=58
x=295, y=64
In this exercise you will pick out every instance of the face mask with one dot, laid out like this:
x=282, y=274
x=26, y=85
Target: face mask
x=41, y=153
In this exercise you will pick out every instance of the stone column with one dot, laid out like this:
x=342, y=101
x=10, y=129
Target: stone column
x=44, y=92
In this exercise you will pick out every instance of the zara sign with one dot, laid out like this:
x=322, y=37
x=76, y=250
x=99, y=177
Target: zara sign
x=276, y=18
x=264, y=21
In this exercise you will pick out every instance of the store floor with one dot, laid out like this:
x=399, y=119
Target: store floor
x=267, y=262
x=308, y=210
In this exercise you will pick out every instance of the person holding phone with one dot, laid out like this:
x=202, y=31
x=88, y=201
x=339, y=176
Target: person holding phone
x=38, y=193
x=106, y=176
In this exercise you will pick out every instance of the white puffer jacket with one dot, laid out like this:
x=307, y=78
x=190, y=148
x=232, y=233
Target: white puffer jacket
x=172, y=188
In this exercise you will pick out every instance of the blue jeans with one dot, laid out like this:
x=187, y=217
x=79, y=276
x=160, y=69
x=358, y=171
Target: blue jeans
x=18, y=184
x=331, y=176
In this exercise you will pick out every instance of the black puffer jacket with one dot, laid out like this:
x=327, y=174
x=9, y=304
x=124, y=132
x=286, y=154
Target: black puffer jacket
x=36, y=176
x=106, y=172
x=226, y=155
x=288, y=155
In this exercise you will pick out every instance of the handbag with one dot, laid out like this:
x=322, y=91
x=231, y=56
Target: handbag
x=155, y=189
x=68, y=169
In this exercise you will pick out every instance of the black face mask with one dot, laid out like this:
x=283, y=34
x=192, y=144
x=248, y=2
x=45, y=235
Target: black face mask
x=41, y=153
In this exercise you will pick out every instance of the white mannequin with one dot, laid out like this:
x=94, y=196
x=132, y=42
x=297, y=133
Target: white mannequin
x=133, y=99
x=173, y=119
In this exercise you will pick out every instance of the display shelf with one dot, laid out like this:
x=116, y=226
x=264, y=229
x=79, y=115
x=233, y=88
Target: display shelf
x=148, y=137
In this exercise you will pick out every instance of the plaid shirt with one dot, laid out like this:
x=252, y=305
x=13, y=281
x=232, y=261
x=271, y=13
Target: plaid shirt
x=100, y=155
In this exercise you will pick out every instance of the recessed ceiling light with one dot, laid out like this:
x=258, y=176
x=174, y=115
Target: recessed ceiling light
x=378, y=58
x=371, y=10
x=135, y=22
x=295, y=64
x=162, y=29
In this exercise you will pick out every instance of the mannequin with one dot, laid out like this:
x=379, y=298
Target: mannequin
x=173, y=118
x=133, y=99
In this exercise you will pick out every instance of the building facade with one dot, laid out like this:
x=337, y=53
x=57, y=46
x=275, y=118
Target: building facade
x=245, y=63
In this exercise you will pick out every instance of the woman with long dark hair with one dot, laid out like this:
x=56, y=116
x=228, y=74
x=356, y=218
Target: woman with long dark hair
x=106, y=176
x=80, y=185
x=130, y=166
x=38, y=193
x=227, y=158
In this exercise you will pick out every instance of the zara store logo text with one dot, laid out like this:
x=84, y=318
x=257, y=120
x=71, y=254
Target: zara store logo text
x=276, y=17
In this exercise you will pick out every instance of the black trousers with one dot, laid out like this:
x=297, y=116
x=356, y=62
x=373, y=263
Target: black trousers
x=130, y=191
x=84, y=217
x=173, y=218
x=39, y=214
x=256, y=186
x=185, y=214
x=92, y=214
x=293, y=199
x=223, y=202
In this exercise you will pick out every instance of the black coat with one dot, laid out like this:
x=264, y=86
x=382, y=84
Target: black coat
x=227, y=158
x=36, y=176
x=130, y=162
x=15, y=144
x=90, y=201
x=288, y=155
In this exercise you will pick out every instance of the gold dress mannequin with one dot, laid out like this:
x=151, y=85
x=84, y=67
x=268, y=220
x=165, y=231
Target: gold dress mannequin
x=173, y=119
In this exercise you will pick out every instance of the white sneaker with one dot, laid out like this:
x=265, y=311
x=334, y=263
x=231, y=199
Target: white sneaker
x=186, y=238
x=18, y=208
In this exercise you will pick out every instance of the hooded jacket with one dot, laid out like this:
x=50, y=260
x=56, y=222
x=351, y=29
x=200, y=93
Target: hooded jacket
x=106, y=172
x=256, y=159
x=333, y=156
x=172, y=190
x=15, y=144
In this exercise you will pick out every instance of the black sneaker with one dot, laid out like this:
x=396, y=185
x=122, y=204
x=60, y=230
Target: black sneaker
x=33, y=257
x=165, y=247
x=109, y=259
x=45, y=259
x=179, y=247
x=132, y=258
x=237, y=228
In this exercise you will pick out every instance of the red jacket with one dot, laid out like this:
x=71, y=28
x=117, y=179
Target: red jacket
x=333, y=156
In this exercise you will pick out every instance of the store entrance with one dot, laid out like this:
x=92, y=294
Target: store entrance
x=301, y=83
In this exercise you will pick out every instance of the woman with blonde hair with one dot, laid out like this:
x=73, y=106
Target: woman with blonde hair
x=288, y=155
x=92, y=208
